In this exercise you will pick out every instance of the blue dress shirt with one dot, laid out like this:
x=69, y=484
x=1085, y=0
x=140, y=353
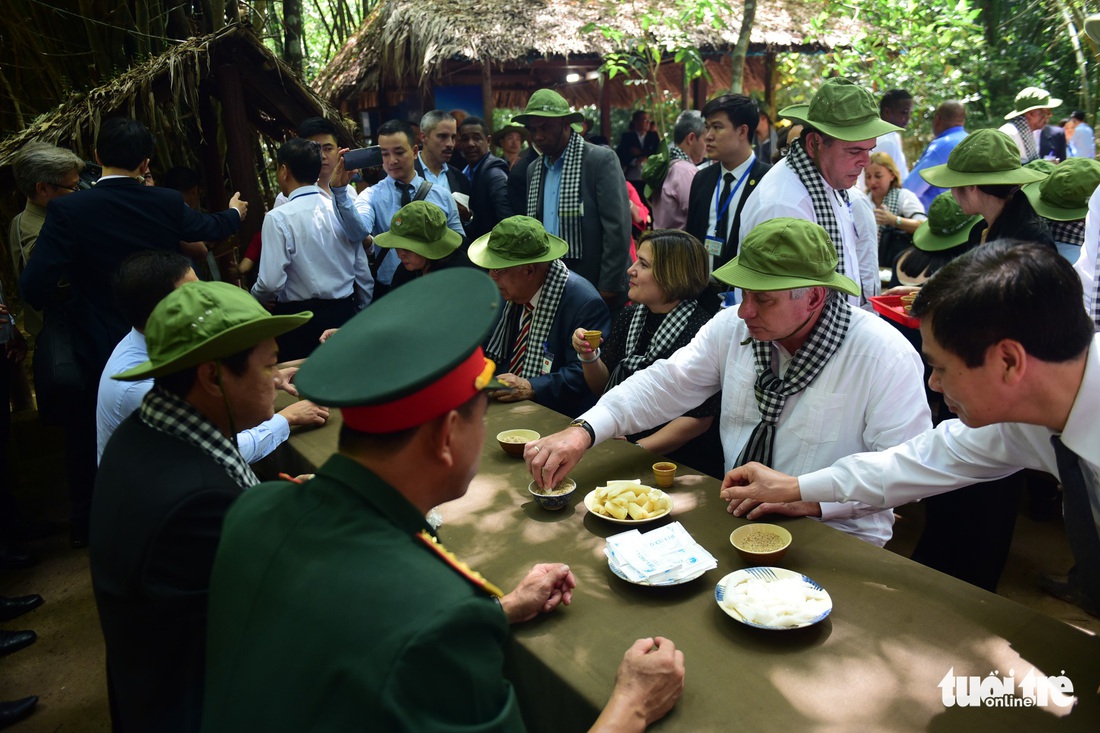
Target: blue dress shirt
x=551, y=192
x=935, y=154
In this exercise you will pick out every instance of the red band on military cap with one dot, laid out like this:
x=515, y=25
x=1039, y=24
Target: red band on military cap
x=450, y=391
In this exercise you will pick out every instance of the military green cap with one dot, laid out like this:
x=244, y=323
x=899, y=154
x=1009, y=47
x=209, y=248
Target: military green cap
x=547, y=103
x=656, y=168
x=205, y=321
x=409, y=358
x=421, y=227
x=517, y=240
x=1032, y=98
x=983, y=158
x=946, y=226
x=1042, y=165
x=784, y=254
x=842, y=109
x=510, y=127
x=1064, y=194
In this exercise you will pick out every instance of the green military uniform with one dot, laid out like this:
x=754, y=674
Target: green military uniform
x=329, y=613
x=331, y=606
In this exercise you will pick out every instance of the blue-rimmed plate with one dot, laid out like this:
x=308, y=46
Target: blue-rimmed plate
x=761, y=576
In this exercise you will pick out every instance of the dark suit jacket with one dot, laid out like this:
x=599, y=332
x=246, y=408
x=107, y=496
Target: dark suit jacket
x=86, y=237
x=455, y=177
x=701, y=199
x=517, y=180
x=157, y=516
x=564, y=388
x=629, y=148
x=489, y=196
x=1052, y=140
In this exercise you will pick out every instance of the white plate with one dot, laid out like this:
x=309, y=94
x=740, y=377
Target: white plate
x=767, y=574
x=590, y=504
x=681, y=581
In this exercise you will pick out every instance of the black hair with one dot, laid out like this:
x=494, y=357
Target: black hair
x=180, y=179
x=740, y=110
x=1007, y=289
x=302, y=158
x=637, y=113
x=123, y=143
x=180, y=383
x=395, y=127
x=471, y=120
x=1078, y=115
x=144, y=279
x=317, y=126
x=891, y=99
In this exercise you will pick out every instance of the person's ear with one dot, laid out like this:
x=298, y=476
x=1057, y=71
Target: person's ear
x=208, y=378
x=1011, y=360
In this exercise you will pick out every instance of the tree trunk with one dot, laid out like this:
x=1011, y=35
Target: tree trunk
x=740, y=51
x=294, y=35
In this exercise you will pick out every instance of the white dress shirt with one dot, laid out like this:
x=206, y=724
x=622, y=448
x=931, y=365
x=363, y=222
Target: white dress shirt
x=118, y=400
x=712, y=218
x=869, y=396
x=1086, y=261
x=781, y=193
x=307, y=255
x=953, y=456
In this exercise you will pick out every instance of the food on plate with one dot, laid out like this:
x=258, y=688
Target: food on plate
x=622, y=499
x=786, y=602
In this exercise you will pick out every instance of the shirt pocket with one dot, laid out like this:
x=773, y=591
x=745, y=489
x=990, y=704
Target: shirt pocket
x=818, y=416
x=739, y=396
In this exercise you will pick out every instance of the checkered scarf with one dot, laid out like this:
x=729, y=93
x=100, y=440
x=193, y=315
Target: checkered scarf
x=772, y=392
x=1068, y=232
x=1028, y=136
x=570, y=208
x=807, y=172
x=500, y=342
x=890, y=203
x=660, y=346
x=674, y=154
x=1095, y=306
x=164, y=411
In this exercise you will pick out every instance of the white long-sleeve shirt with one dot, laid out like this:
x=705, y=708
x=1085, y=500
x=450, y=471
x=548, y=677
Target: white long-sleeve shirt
x=869, y=396
x=953, y=456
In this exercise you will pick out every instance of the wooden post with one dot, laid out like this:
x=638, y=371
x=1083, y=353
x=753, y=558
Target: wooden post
x=699, y=92
x=239, y=147
x=605, y=107
x=487, y=93
x=769, y=84
x=685, y=92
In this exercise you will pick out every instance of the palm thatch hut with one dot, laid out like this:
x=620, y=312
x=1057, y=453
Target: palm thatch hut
x=216, y=103
x=512, y=47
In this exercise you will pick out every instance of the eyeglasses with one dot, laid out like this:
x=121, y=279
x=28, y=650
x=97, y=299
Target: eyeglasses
x=67, y=188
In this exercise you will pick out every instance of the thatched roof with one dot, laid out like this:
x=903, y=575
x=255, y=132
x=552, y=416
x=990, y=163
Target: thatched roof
x=164, y=92
x=418, y=39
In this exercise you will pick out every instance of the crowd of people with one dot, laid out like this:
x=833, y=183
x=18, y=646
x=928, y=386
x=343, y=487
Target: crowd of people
x=730, y=278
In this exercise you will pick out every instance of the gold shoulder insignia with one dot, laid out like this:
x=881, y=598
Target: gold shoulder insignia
x=460, y=567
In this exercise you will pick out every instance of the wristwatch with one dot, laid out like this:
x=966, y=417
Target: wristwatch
x=587, y=428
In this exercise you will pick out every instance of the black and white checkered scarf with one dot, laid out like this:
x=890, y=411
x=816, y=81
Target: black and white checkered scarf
x=807, y=172
x=890, y=203
x=541, y=320
x=1028, y=136
x=1068, y=232
x=674, y=154
x=660, y=346
x=164, y=411
x=570, y=207
x=772, y=392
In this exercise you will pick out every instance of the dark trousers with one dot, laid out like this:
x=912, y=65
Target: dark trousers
x=300, y=343
x=80, y=457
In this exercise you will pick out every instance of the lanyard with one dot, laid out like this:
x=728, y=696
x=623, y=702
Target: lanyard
x=720, y=212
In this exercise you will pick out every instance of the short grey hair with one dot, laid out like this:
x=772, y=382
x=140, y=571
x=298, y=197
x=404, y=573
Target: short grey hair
x=430, y=119
x=798, y=293
x=40, y=162
x=689, y=121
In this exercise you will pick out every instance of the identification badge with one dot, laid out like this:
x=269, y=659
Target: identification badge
x=714, y=245
x=547, y=362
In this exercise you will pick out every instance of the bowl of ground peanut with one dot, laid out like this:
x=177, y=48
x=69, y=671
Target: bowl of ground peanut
x=513, y=442
x=760, y=544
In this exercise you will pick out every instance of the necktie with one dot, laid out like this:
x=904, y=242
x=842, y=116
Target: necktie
x=520, y=349
x=1080, y=525
x=406, y=192
x=722, y=225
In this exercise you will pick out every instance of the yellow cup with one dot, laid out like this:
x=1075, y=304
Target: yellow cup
x=593, y=338
x=663, y=473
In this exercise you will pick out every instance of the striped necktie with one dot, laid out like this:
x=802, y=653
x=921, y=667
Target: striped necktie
x=519, y=351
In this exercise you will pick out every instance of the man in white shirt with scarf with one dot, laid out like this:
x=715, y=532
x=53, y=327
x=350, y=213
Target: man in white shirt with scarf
x=841, y=127
x=805, y=377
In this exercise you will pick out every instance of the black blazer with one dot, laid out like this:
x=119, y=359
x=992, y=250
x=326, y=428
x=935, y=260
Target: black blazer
x=701, y=199
x=455, y=177
x=1052, y=140
x=489, y=196
x=86, y=237
x=628, y=143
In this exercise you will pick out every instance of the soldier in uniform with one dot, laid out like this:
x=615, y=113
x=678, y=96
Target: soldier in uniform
x=333, y=606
